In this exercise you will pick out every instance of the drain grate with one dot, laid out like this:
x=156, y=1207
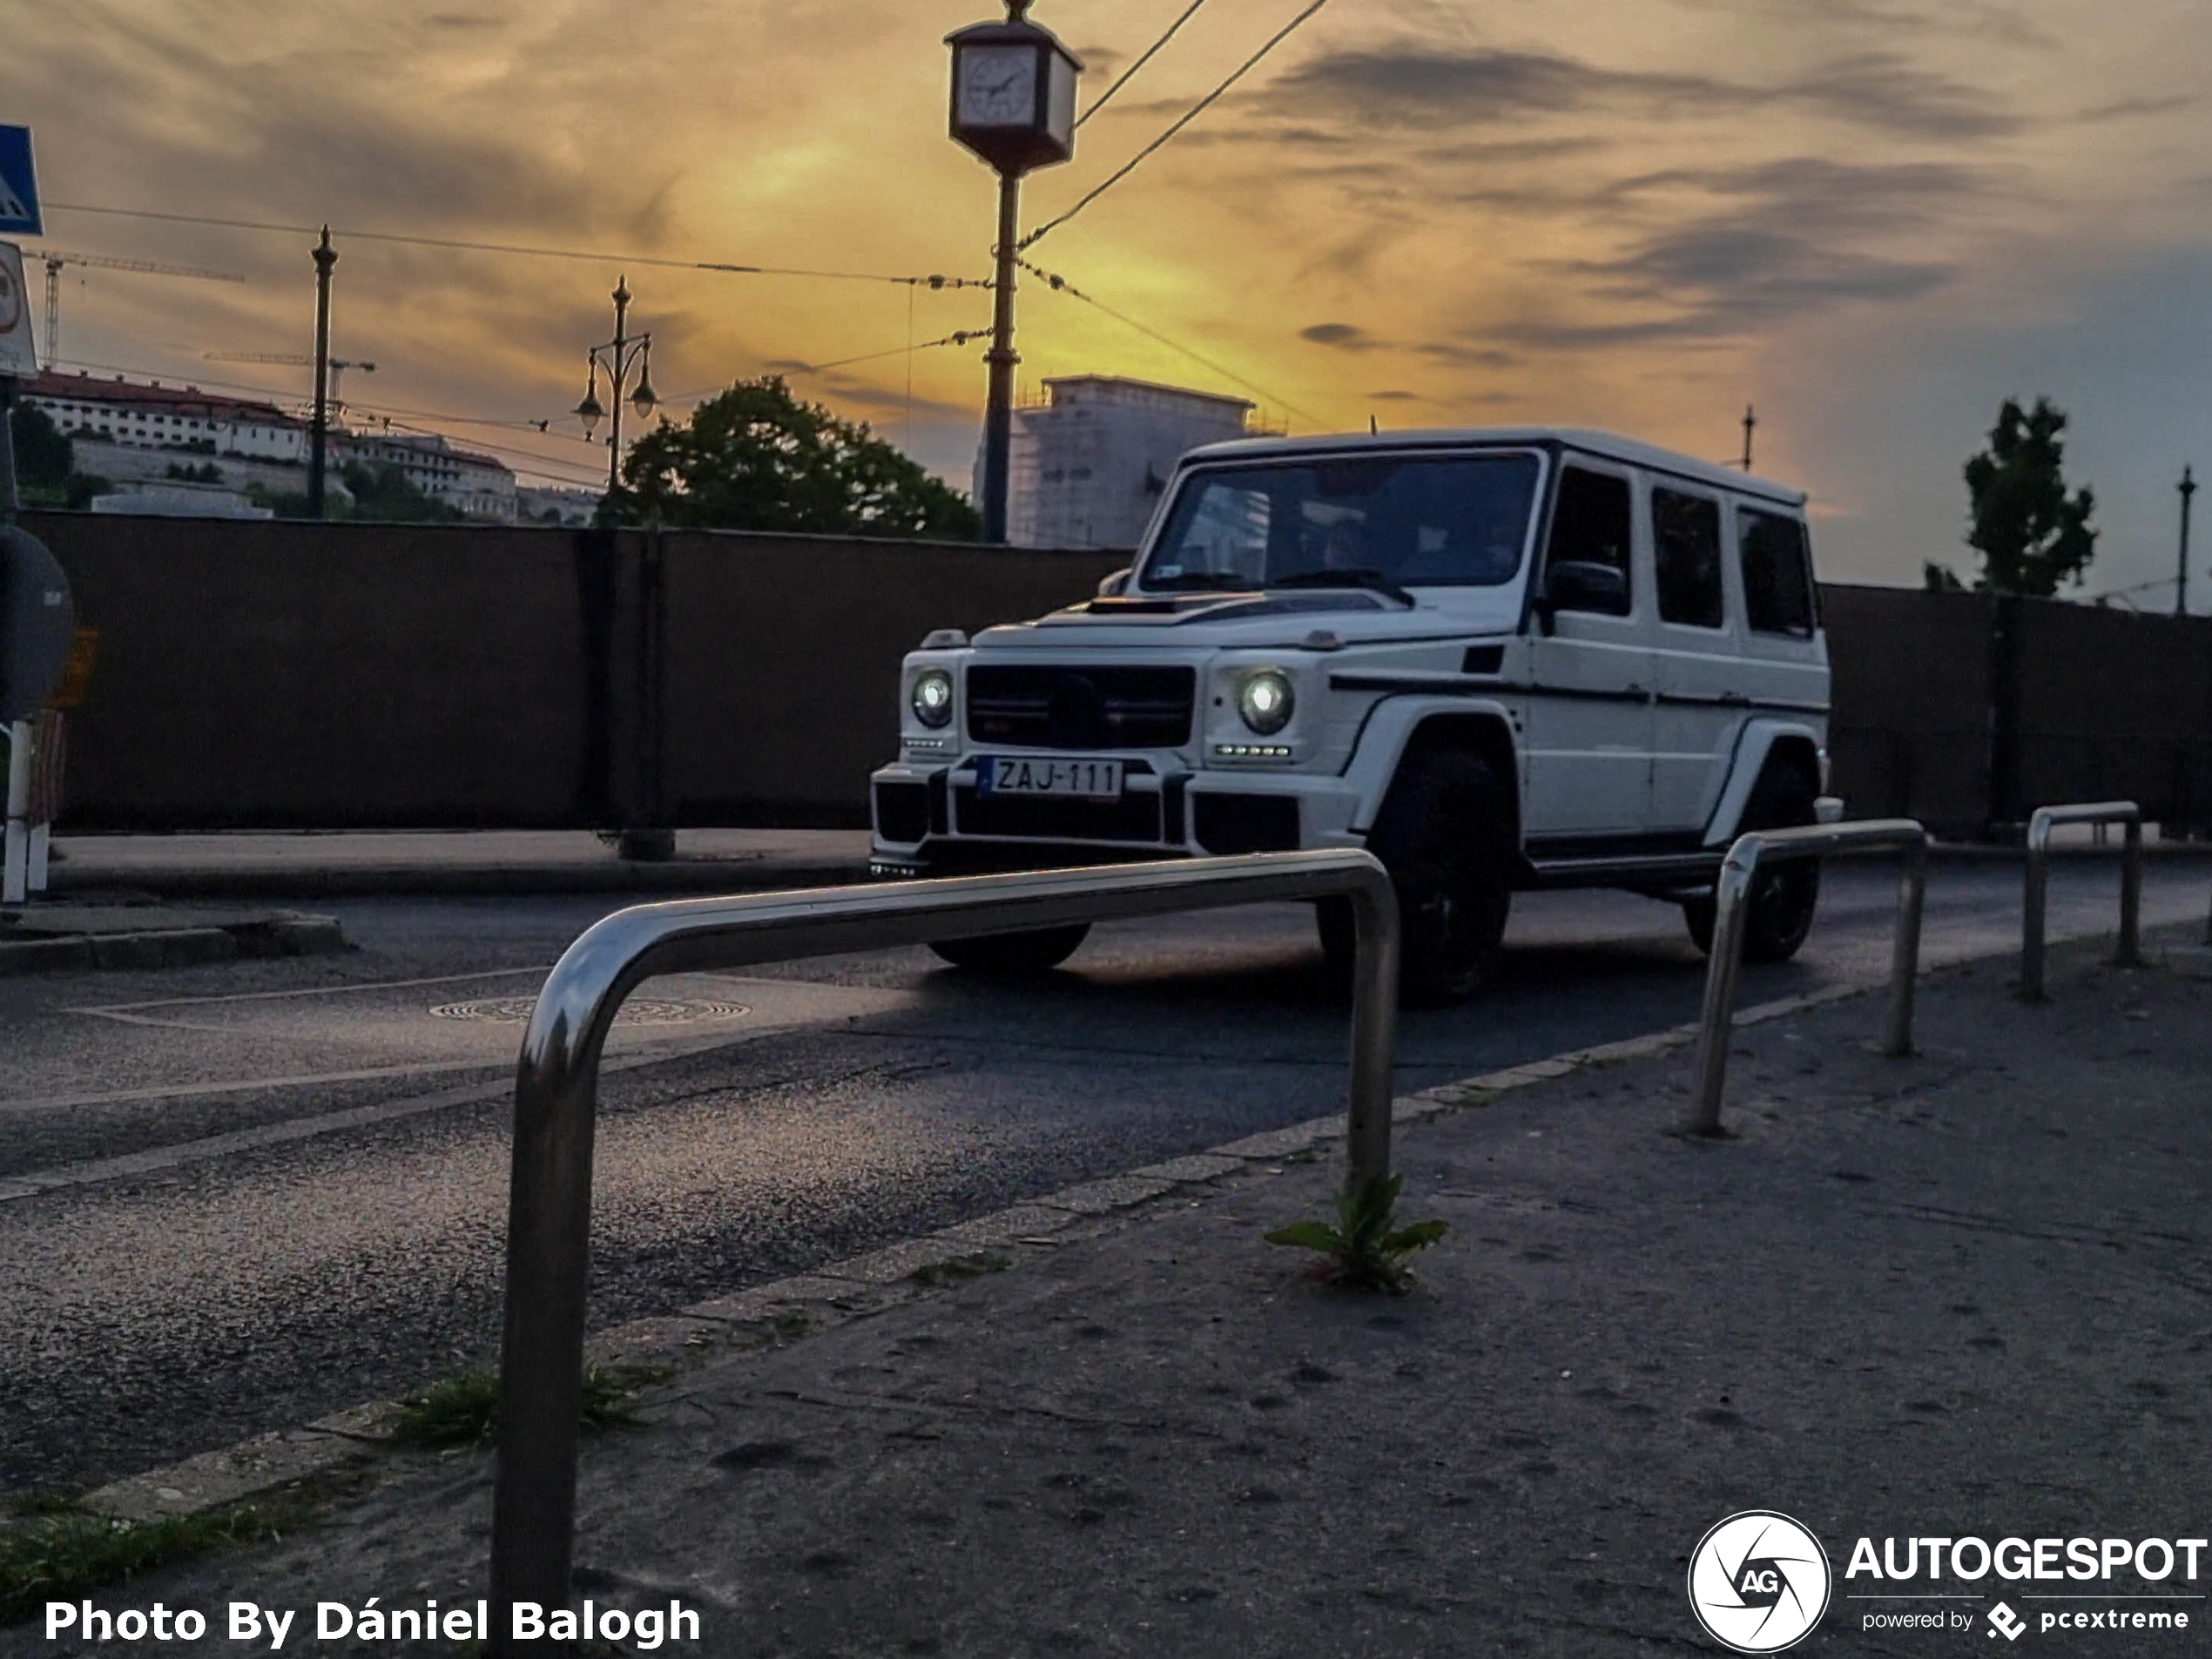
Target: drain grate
x=639, y=1010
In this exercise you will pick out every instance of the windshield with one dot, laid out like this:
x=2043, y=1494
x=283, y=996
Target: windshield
x=1368, y=520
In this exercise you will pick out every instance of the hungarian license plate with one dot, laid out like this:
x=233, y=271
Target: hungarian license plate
x=1043, y=775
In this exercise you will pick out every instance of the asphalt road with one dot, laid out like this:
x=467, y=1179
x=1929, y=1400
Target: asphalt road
x=271, y=1189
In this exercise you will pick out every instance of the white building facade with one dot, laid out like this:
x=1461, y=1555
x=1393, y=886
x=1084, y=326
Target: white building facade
x=480, y=486
x=1086, y=467
x=149, y=415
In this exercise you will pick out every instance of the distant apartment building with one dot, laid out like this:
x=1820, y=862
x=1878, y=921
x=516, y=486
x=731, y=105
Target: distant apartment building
x=149, y=415
x=1086, y=467
x=480, y=486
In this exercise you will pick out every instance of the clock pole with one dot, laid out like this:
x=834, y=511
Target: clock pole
x=1013, y=106
x=998, y=409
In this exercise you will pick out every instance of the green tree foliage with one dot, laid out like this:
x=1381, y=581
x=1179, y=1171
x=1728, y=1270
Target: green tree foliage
x=383, y=493
x=43, y=453
x=2031, y=533
x=757, y=458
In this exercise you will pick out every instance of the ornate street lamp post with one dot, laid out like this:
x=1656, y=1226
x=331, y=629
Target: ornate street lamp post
x=1013, y=105
x=618, y=356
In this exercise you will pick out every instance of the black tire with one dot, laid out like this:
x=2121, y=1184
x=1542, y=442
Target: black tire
x=1444, y=834
x=1784, y=896
x=1038, y=951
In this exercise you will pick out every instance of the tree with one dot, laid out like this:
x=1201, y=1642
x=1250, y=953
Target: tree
x=44, y=455
x=2032, y=535
x=757, y=458
x=382, y=492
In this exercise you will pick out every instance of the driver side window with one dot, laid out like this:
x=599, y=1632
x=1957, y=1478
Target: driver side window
x=1591, y=525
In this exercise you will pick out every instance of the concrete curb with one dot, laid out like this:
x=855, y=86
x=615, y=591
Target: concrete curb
x=695, y=877
x=687, y=875
x=157, y=948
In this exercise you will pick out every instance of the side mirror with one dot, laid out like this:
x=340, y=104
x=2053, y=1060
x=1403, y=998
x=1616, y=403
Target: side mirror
x=1115, y=585
x=1580, y=584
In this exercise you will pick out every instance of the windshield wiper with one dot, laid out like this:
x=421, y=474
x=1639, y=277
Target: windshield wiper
x=1366, y=577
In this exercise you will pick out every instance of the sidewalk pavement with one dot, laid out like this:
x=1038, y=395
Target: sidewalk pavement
x=329, y=863
x=71, y=935
x=335, y=863
x=1964, y=1293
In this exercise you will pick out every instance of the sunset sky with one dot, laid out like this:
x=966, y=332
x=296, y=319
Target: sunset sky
x=1872, y=219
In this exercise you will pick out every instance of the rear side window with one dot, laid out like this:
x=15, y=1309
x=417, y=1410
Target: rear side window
x=1777, y=573
x=1686, y=541
x=1591, y=523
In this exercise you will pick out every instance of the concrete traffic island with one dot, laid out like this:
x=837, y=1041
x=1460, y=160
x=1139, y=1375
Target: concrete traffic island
x=74, y=935
x=1959, y=1293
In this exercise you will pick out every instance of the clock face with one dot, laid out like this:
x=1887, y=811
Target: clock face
x=998, y=86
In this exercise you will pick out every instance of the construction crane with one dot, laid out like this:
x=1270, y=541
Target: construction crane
x=338, y=365
x=55, y=259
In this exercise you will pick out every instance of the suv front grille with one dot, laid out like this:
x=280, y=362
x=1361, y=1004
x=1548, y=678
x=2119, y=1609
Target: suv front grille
x=1081, y=708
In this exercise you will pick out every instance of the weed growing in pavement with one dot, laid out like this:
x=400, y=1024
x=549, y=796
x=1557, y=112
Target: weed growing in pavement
x=1364, y=1249
x=464, y=1410
x=70, y=1552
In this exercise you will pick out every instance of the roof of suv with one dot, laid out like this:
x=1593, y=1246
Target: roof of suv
x=1607, y=444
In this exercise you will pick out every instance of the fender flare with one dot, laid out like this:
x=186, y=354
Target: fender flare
x=1757, y=740
x=1388, y=731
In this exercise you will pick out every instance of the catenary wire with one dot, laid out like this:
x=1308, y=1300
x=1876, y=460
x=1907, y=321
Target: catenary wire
x=1181, y=122
x=1061, y=285
x=1124, y=78
x=931, y=282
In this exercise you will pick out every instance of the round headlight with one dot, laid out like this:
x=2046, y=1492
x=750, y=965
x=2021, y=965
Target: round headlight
x=932, y=698
x=1266, y=701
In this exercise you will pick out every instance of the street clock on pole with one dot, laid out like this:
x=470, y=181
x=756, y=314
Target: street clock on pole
x=1014, y=92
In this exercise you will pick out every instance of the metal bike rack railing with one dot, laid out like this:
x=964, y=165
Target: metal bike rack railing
x=1732, y=901
x=550, y=1203
x=2039, y=825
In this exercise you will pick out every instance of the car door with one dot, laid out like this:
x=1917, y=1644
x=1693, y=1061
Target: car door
x=1784, y=671
x=1696, y=656
x=1589, y=741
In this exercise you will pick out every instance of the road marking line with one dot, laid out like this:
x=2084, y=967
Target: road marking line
x=92, y=1171
x=311, y=990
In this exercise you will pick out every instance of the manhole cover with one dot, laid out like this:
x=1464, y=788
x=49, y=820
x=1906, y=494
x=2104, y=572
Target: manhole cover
x=639, y=1010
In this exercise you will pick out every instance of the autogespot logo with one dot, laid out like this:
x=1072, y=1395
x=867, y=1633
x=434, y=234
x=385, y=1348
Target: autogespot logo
x=1758, y=1581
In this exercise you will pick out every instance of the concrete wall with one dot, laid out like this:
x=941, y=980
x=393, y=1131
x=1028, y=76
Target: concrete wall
x=349, y=676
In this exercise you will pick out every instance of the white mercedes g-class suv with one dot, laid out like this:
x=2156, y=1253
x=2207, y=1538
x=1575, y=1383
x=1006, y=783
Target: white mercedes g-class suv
x=1497, y=658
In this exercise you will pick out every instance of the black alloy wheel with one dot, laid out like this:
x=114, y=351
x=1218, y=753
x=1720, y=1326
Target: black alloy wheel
x=1783, y=896
x=1444, y=835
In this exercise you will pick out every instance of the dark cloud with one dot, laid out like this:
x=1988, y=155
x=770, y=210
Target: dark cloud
x=1983, y=19
x=457, y=20
x=1394, y=395
x=1343, y=336
x=1884, y=90
x=2128, y=107
x=1414, y=87
x=1467, y=356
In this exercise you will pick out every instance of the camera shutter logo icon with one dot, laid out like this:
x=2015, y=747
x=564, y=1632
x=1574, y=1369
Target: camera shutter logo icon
x=1758, y=1582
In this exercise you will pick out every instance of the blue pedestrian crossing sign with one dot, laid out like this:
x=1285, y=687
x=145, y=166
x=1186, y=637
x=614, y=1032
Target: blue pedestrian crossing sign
x=18, y=185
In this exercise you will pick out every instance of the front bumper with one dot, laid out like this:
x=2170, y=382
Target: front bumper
x=931, y=818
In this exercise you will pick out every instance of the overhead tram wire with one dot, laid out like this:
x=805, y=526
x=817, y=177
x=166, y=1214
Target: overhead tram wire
x=525, y=251
x=1181, y=122
x=1124, y=78
x=1061, y=285
x=958, y=337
